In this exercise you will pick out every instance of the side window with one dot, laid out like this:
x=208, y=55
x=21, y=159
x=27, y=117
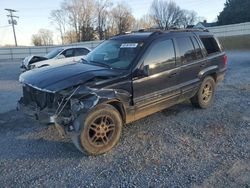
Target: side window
x=81, y=51
x=161, y=57
x=68, y=53
x=210, y=45
x=186, y=49
x=197, y=48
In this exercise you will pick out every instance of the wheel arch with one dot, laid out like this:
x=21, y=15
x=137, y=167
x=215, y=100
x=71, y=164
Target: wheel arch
x=209, y=71
x=119, y=107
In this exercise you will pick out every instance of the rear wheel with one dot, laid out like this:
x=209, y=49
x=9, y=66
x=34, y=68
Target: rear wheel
x=205, y=95
x=100, y=131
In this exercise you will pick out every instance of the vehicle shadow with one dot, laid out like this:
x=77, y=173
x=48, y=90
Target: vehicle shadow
x=24, y=138
x=176, y=109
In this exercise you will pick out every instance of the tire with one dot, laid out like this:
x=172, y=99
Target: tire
x=100, y=130
x=204, y=97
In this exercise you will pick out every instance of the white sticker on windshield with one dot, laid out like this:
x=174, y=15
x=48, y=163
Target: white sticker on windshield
x=129, y=45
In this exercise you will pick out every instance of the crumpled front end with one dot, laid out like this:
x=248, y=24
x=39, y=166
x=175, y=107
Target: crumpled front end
x=40, y=104
x=61, y=94
x=60, y=108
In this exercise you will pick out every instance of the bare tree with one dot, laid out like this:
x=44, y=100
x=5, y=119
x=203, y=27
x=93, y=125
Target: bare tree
x=189, y=18
x=82, y=20
x=44, y=37
x=145, y=22
x=87, y=17
x=166, y=14
x=123, y=17
x=72, y=9
x=111, y=29
x=80, y=16
x=58, y=17
x=36, y=40
x=102, y=13
x=70, y=37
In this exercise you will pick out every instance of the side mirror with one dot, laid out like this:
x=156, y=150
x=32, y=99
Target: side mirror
x=142, y=71
x=61, y=56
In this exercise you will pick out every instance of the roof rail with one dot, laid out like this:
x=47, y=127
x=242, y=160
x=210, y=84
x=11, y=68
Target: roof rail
x=158, y=31
x=173, y=29
x=188, y=30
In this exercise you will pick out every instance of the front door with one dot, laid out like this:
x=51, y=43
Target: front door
x=156, y=90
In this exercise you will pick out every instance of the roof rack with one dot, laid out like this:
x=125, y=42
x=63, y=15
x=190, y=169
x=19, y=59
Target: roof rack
x=154, y=31
x=174, y=29
x=158, y=31
x=188, y=30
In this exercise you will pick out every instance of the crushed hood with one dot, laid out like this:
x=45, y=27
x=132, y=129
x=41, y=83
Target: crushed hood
x=32, y=59
x=57, y=78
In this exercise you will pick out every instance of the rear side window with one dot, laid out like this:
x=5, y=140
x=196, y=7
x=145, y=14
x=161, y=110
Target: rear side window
x=161, y=57
x=68, y=53
x=81, y=51
x=186, y=49
x=210, y=45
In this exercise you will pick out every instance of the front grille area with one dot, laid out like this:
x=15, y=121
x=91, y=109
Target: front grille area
x=41, y=98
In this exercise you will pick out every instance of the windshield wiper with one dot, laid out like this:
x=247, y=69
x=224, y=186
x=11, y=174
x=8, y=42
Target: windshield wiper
x=84, y=60
x=100, y=63
x=95, y=62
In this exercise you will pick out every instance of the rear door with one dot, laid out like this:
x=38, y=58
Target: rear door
x=192, y=61
x=152, y=93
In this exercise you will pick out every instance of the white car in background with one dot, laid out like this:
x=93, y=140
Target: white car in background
x=51, y=62
x=57, y=56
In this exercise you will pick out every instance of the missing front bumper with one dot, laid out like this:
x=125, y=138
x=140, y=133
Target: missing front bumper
x=46, y=116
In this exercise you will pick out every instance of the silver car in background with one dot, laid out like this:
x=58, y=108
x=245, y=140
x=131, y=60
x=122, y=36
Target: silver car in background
x=58, y=55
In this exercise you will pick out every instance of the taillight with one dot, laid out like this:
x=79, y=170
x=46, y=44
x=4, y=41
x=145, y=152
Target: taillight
x=225, y=59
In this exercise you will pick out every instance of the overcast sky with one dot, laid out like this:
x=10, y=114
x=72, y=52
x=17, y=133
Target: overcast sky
x=34, y=14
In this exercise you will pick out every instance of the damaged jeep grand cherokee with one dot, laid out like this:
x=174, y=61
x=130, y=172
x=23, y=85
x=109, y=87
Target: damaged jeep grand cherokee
x=124, y=79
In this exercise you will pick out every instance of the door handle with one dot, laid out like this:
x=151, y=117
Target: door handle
x=203, y=65
x=173, y=75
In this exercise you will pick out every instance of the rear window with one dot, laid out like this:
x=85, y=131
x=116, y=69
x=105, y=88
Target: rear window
x=210, y=45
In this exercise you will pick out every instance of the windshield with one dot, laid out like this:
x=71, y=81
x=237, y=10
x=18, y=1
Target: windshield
x=53, y=53
x=114, y=53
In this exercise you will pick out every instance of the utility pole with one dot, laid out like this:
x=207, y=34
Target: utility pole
x=12, y=21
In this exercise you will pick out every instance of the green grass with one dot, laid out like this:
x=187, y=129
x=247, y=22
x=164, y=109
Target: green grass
x=235, y=42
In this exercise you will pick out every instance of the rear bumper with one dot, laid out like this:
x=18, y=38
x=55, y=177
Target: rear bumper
x=221, y=74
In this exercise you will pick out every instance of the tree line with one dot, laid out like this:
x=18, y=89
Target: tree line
x=84, y=20
x=235, y=11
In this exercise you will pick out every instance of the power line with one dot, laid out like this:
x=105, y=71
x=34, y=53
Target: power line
x=12, y=21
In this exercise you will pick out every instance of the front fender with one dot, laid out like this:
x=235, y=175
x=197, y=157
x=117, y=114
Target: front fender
x=82, y=106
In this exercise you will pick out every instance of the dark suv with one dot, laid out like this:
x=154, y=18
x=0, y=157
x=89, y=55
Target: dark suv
x=124, y=79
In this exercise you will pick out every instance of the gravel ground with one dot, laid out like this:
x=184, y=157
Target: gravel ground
x=178, y=147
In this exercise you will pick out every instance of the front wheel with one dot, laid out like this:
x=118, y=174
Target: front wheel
x=100, y=131
x=205, y=95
